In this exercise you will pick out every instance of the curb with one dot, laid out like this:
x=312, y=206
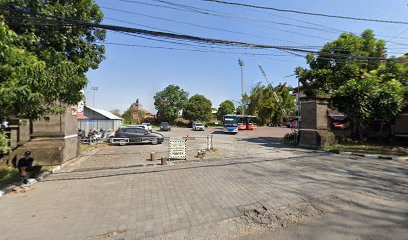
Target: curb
x=43, y=175
x=365, y=155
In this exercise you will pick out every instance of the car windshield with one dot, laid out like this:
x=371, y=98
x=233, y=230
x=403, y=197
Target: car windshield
x=199, y=124
x=165, y=124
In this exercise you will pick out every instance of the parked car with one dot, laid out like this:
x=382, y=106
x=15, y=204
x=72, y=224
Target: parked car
x=136, y=134
x=198, y=127
x=149, y=126
x=338, y=122
x=165, y=126
x=139, y=126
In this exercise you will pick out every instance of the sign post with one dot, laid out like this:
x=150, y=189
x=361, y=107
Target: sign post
x=177, y=149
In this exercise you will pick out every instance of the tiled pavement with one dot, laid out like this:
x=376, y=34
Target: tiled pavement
x=141, y=202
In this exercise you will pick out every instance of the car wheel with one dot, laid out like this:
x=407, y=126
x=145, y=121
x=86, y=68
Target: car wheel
x=155, y=141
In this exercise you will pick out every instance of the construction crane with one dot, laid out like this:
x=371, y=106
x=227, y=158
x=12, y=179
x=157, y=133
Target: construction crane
x=274, y=94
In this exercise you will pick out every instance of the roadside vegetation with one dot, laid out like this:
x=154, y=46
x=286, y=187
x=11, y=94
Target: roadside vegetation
x=43, y=67
x=8, y=175
x=369, y=90
x=370, y=149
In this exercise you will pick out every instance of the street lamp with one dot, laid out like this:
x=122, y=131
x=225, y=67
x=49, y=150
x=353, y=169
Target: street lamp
x=94, y=89
x=241, y=64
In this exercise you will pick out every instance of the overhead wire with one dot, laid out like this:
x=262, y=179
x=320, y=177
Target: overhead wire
x=307, y=13
x=241, y=18
x=192, y=38
x=220, y=29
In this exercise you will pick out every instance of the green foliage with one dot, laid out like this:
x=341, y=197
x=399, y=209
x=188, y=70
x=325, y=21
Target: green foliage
x=364, y=89
x=198, y=107
x=355, y=99
x=8, y=175
x=42, y=66
x=332, y=66
x=169, y=102
x=226, y=107
x=127, y=116
x=4, y=143
x=387, y=101
x=263, y=104
x=370, y=98
x=291, y=138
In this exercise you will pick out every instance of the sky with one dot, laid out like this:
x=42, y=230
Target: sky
x=138, y=72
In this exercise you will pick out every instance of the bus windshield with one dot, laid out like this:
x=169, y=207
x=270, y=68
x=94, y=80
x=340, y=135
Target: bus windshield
x=252, y=120
x=230, y=120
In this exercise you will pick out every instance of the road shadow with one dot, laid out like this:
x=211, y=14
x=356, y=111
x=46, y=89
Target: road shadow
x=272, y=142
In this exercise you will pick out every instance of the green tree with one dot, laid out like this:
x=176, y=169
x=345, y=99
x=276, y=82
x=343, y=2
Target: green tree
x=263, y=104
x=43, y=66
x=335, y=63
x=362, y=84
x=128, y=116
x=198, y=107
x=169, y=102
x=355, y=99
x=387, y=103
x=226, y=107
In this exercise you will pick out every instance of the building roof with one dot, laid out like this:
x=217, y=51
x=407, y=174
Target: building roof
x=146, y=111
x=81, y=115
x=105, y=113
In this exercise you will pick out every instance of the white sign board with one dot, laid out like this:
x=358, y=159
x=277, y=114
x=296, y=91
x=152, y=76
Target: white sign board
x=177, y=148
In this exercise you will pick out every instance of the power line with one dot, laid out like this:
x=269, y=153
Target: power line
x=197, y=39
x=218, y=29
x=186, y=8
x=195, y=50
x=307, y=13
x=240, y=18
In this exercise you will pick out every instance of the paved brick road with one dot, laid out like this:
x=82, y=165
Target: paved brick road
x=107, y=193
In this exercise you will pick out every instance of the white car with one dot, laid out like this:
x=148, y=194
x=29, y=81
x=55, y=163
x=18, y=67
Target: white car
x=149, y=126
x=198, y=127
x=140, y=126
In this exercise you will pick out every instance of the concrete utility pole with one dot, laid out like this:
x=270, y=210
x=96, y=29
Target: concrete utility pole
x=94, y=89
x=241, y=63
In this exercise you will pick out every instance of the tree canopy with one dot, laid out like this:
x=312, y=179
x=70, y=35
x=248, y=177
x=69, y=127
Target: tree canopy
x=263, y=104
x=226, y=107
x=198, y=107
x=43, y=66
x=363, y=83
x=337, y=62
x=169, y=102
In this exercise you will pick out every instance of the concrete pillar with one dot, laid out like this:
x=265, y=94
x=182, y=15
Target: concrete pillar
x=53, y=141
x=314, y=126
x=152, y=156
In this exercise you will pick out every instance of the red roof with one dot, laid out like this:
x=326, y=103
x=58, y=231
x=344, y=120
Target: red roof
x=80, y=115
x=146, y=112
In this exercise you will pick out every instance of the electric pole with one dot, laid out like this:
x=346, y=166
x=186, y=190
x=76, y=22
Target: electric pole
x=241, y=64
x=94, y=89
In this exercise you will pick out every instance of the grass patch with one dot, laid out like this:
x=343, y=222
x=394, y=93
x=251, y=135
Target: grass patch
x=8, y=175
x=370, y=149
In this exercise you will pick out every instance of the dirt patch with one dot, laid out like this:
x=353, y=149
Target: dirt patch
x=258, y=219
x=292, y=214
